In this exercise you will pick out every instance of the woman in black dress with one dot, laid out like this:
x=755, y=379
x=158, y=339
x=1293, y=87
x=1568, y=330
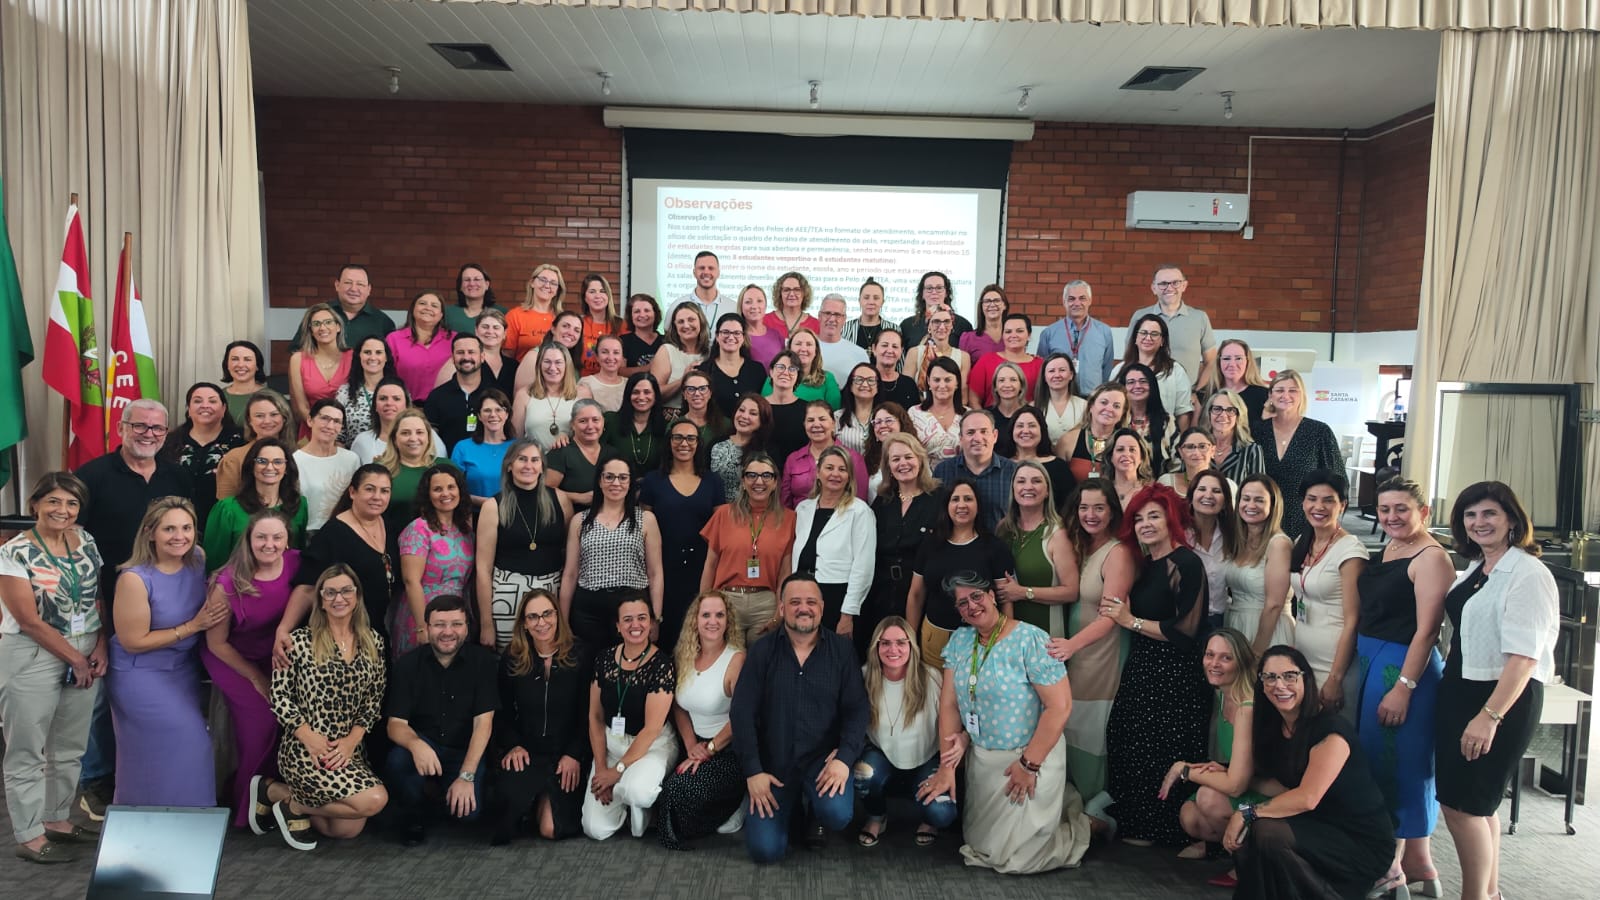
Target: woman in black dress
x=906, y=509
x=788, y=410
x=1293, y=445
x=1163, y=702
x=357, y=536
x=683, y=495
x=522, y=538
x=1324, y=831
x=638, y=431
x=1505, y=615
x=541, y=731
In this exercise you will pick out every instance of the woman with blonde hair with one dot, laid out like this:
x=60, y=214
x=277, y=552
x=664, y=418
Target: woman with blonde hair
x=814, y=381
x=704, y=793
x=526, y=325
x=902, y=750
x=328, y=699
x=163, y=751
x=541, y=731
x=266, y=415
x=1046, y=575
x=905, y=510
x=413, y=448
x=765, y=341
x=320, y=363
x=836, y=539
x=1257, y=574
x=1236, y=372
x=521, y=537
x=600, y=318
x=1294, y=446
x=1087, y=447
x=542, y=409
x=1227, y=422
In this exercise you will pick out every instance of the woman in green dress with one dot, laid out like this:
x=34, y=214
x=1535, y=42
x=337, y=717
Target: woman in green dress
x=269, y=480
x=1046, y=576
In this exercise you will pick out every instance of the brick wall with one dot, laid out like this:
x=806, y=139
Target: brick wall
x=411, y=189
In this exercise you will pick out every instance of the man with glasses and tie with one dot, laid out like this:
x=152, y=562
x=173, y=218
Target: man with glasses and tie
x=839, y=356
x=1191, y=341
x=121, y=486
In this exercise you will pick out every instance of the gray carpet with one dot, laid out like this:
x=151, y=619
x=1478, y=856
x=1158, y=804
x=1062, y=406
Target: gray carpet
x=1539, y=861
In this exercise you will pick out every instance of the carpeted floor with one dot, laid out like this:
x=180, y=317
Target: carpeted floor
x=1539, y=861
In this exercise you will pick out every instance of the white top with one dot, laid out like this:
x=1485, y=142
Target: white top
x=941, y=443
x=1059, y=423
x=1319, y=603
x=678, y=362
x=907, y=747
x=1215, y=574
x=846, y=550
x=368, y=448
x=839, y=358
x=1177, y=389
x=1247, y=596
x=323, y=480
x=702, y=696
x=713, y=311
x=1516, y=612
x=609, y=396
x=541, y=413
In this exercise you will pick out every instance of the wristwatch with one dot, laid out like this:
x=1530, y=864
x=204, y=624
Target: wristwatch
x=621, y=767
x=711, y=746
x=1248, y=812
x=468, y=777
x=1029, y=594
x=1412, y=685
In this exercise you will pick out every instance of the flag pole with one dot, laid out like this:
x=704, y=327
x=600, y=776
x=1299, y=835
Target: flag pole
x=109, y=371
x=66, y=408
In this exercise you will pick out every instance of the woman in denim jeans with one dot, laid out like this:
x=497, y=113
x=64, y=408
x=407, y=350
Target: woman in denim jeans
x=903, y=735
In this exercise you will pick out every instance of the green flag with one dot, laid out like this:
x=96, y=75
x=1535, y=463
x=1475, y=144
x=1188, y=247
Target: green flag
x=16, y=351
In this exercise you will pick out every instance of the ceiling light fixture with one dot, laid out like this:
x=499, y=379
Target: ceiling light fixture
x=605, y=84
x=815, y=101
x=1227, y=104
x=394, y=78
x=1022, y=102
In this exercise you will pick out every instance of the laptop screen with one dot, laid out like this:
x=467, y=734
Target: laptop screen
x=158, y=851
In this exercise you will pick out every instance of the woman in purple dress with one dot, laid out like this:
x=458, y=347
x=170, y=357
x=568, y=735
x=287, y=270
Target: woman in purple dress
x=255, y=584
x=163, y=750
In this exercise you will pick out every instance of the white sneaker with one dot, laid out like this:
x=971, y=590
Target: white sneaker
x=735, y=822
x=639, y=820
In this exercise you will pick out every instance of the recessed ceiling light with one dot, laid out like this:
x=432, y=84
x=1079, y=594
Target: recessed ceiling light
x=1161, y=78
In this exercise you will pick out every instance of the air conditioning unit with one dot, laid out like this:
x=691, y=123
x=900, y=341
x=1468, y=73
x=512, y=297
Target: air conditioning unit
x=1187, y=211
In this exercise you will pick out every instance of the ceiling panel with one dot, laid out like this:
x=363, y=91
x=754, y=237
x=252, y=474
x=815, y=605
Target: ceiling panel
x=1280, y=77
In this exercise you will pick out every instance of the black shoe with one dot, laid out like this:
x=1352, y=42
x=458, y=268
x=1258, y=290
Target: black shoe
x=95, y=796
x=413, y=835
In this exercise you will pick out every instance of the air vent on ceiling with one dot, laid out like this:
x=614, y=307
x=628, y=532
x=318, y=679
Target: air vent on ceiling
x=479, y=57
x=1161, y=78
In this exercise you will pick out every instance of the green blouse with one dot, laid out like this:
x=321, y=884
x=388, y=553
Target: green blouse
x=1033, y=570
x=226, y=524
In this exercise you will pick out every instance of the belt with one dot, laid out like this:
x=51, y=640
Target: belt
x=746, y=590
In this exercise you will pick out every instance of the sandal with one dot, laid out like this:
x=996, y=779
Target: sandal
x=870, y=839
x=1391, y=885
x=926, y=838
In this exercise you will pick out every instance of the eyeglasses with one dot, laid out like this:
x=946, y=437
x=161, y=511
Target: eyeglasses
x=884, y=422
x=727, y=333
x=545, y=616
x=971, y=601
x=547, y=282
x=1169, y=285
x=992, y=301
x=329, y=420
x=615, y=477
x=783, y=367
x=760, y=476
x=1152, y=335
x=1223, y=411
x=864, y=381
x=347, y=593
x=940, y=323
x=1291, y=677
x=143, y=428
x=323, y=323
x=1193, y=448
x=697, y=389
x=791, y=290
x=829, y=314
x=684, y=438
x=268, y=462
x=933, y=289
x=1135, y=382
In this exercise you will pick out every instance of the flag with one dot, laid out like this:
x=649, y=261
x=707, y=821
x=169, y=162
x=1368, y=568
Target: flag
x=130, y=366
x=16, y=350
x=71, y=352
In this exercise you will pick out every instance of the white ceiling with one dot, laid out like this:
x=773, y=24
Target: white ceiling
x=1280, y=77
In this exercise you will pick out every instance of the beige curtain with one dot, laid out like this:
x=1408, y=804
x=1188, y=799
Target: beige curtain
x=1565, y=15
x=144, y=109
x=1511, y=273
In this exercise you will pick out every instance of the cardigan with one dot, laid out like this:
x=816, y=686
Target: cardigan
x=847, y=548
x=1517, y=611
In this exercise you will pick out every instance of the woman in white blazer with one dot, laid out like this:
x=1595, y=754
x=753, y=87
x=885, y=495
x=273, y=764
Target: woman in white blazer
x=1506, y=614
x=836, y=539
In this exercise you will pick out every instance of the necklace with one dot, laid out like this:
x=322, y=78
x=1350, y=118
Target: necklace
x=633, y=445
x=555, y=405
x=533, y=543
x=622, y=655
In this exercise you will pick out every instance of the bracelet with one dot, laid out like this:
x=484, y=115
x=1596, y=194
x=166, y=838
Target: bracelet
x=178, y=630
x=1138, y=625
x=1496, y=717
x=1184, y=775
x=1030, y=766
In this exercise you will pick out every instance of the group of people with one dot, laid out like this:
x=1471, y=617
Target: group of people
x=1121, y=606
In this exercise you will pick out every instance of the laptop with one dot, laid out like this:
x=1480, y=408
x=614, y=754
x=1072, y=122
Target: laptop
x=158, y=852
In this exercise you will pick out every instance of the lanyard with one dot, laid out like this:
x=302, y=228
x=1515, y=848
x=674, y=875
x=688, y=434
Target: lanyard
x=69, y=574
x=1307, y=564
x=977, y=661
x=757, y=523
x=1075, y=338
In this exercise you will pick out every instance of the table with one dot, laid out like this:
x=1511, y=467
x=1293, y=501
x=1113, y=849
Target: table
x=1563, y=706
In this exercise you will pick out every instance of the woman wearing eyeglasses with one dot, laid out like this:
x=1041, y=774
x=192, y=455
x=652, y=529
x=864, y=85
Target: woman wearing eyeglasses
x=788, y=410
x=1002, y=706
x=750, y=433
x=748, y=546
x=853, y=421
x=355, y=537
x=683, y=495
x=989, y=336
x=935, y=343
x=270, y=482
x=1196, y=452
x=791, y=298
x=613, y=551
x=730, y=368
x=1324, y=832
x=1227, y=424
x=1149, y=345
x=320, y=363
x=324, y=466
x=1148, y=414
x=700, y=410
x=328, y=696
x=526, y=325
x=934, y=296
x=541, y=731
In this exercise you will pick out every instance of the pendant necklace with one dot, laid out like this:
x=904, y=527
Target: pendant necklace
x=533, y=544
x=555, y=406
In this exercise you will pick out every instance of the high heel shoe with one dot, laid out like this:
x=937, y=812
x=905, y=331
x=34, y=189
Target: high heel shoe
x=1392, y=887
x=1427, y=886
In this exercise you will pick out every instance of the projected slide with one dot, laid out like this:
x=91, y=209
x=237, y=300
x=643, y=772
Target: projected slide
x=836, y=236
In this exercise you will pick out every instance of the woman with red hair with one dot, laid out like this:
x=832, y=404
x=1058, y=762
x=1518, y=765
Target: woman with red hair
x=1163, y=703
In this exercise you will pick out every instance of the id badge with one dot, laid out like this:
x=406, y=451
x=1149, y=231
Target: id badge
x=972, y=723
x=472, y=423
x=619, y=726
x=79, y=624
x=752, y=568
x=1300, y=610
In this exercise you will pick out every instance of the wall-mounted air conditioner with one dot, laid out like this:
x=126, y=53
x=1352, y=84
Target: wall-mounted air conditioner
x=1187, y=211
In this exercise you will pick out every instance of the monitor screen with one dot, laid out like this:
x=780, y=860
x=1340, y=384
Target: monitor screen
x=158, y=851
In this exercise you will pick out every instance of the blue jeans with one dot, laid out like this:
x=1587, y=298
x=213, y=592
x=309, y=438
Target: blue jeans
x=406, y=787
x=767, y=839
x=874, y=787
x=100, y=757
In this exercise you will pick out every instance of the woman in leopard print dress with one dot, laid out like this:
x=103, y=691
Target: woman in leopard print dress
x=327, y=700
